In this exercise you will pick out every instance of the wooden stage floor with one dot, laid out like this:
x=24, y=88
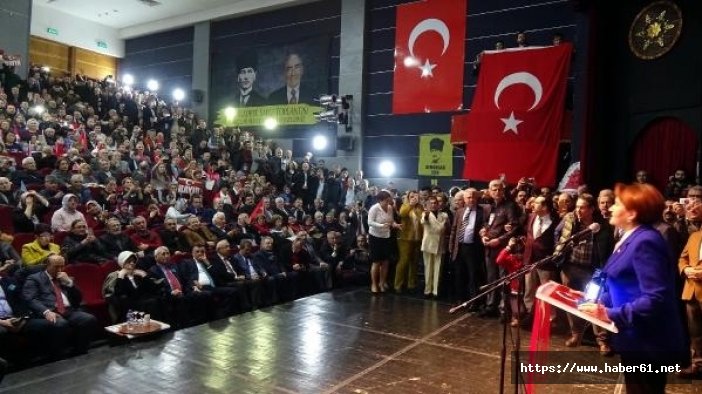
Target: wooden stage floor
x=344, y=341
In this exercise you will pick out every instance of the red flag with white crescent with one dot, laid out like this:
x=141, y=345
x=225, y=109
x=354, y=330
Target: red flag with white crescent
x=429, y=53
x=514, y=124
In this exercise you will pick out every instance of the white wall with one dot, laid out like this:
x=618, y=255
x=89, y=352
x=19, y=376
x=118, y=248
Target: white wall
x=75, y=31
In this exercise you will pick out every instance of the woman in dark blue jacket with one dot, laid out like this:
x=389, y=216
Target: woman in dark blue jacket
x=640, y=296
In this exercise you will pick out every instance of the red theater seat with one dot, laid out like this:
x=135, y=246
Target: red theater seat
x=89, y=278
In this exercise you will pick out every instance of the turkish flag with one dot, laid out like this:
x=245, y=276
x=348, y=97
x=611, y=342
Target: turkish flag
x=514, y=125
x=429, y=52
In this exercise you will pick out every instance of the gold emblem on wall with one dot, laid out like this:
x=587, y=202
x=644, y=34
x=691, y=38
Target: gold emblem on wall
x=655, y=30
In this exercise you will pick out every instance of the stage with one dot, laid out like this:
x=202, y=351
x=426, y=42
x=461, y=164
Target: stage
x=346, y=341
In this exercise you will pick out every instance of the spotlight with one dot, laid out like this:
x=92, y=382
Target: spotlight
x=386, y=168
x=270, y=123
x=319, y=142
x=128, y=79
x=39, y=109
x=152, y=85
x=230, y=113
x=178, y=94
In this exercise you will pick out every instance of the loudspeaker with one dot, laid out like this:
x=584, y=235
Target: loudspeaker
x=345, y=143
x=198, y=96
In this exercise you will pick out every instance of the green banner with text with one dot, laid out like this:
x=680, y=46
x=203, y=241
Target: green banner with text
x=284, y=115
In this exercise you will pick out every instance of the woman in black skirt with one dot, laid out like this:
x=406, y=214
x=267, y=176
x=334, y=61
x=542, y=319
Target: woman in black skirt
x=380, y=222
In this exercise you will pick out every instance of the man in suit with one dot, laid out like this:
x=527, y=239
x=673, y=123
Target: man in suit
x=44, y=336
x=433, y=225
x=254, y=273
x=539, y=244
x=186, y=306
x=285, y=282
x=333, y=252
x=223, y=272
x=245, y=96
x=197, y=272
x=691, y=270
x=52, y=295
x=466, y=248
x=292, y=93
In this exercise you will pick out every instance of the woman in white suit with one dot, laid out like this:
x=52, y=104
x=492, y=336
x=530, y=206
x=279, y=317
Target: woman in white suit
x=434, y=222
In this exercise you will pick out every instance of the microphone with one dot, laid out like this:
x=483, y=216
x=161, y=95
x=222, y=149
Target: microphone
x=594, y=228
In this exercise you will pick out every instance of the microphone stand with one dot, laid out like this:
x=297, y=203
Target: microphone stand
x=503, y=283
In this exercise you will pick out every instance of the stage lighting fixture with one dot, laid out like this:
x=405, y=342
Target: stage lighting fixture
x=319, y=142
x=327, y=99
x=270, y=123
x=178, y=94
x=386, y=168
x=152, y=85
x=128, y=79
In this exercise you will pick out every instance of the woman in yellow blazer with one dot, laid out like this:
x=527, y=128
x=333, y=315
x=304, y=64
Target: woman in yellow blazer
x=36, y=252
x=408, y=241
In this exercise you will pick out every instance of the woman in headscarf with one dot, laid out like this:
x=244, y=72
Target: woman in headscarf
x=63, y=217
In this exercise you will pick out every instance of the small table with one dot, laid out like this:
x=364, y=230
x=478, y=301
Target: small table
x=137, y=330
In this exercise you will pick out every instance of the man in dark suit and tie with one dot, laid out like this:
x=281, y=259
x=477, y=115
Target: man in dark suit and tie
x=197, y=273
x=44, y=336
x=292, y=93
x=223, y=272
x=52, y=295
x=254, y=273
x=539, y=244
x=246, y=96
x=285, y=282
x=466, y=248
x=186, y=306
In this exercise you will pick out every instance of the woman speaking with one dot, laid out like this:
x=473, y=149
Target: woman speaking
x=639, y=295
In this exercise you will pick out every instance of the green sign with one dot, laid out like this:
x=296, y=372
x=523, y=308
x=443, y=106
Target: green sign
x=284, y=115
x=102, y=44
x=52, y=30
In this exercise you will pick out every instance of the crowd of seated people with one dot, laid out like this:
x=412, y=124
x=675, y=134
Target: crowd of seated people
x=91, y=196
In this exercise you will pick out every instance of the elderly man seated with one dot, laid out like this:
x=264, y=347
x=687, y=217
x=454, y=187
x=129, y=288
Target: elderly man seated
x=52, y=295
x=28, y=174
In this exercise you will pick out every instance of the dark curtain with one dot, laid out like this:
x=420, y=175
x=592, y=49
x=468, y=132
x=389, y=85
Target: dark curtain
x=665, y=145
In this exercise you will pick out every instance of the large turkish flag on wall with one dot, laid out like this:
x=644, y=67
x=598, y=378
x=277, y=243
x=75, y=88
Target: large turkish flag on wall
x=514, y=125
x=429, y=53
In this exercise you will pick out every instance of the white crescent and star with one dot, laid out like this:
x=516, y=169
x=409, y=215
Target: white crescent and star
x=521, y=77
x=431, y=24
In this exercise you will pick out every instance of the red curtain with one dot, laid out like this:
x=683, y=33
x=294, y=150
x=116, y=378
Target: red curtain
x=665, y=145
